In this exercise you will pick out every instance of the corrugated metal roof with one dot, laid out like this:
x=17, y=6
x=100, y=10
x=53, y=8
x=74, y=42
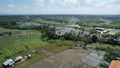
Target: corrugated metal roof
x=7, y=62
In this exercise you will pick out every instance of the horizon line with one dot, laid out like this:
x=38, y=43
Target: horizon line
x=59, y=14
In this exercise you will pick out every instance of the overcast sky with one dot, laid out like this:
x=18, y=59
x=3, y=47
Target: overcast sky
x=59, y=6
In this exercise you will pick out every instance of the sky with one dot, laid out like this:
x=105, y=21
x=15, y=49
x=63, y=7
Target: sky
x=59, y=7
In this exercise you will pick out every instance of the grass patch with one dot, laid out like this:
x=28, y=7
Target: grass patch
x=108, y=48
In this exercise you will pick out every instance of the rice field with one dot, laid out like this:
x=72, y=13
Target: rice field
x=17, y=44
x=25, y=42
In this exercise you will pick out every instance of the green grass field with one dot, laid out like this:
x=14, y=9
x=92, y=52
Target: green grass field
x=12, y=46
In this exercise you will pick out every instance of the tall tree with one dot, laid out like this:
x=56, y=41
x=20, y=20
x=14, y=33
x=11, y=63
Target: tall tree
x=94, y=38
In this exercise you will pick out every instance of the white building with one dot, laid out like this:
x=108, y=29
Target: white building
x=8, y=62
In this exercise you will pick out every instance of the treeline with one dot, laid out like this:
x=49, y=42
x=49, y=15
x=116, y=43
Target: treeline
x=10, y=24
x=111, y=26
x=114, y=26
x=49, y=32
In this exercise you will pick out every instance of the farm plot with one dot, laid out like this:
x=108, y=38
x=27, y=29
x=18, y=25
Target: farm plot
x=13, y=45
x=67, y=59
x=45, y=51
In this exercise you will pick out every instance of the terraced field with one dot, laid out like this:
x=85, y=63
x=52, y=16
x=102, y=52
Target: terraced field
x=17, y=44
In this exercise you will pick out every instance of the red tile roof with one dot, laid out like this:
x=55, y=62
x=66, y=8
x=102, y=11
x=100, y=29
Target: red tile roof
x=115, y=64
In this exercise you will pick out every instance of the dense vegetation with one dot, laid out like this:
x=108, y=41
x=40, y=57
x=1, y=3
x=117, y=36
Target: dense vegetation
x=10, y=24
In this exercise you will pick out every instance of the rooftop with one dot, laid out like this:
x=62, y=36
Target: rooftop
x=115, y=64
x=116, y=53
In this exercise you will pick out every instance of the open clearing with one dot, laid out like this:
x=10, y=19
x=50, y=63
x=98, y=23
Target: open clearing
x=67, y=59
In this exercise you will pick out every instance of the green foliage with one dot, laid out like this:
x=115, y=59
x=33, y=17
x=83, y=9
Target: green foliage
x=117, y=34
x=68, y=36
x=94, y=38
x=111, y=41
x=108, y=48
x=52, y=41
x=26, y=46
x=11, y=24
x=86, y=40
x=114, y=26
x=48, y=32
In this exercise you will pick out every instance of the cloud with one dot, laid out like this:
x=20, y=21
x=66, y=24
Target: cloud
x=64, y=7
x=11, y=5
x=75, y=3
x=67, y=5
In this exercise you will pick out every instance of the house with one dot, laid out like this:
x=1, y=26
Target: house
x=116, y=53
x=99, y=29
x=27, y=56
x=88, y=46
x=101, y=20
x=63, y=30
x=115, y=64
x=18, y=58
x=8, y=63
x=78, y=45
